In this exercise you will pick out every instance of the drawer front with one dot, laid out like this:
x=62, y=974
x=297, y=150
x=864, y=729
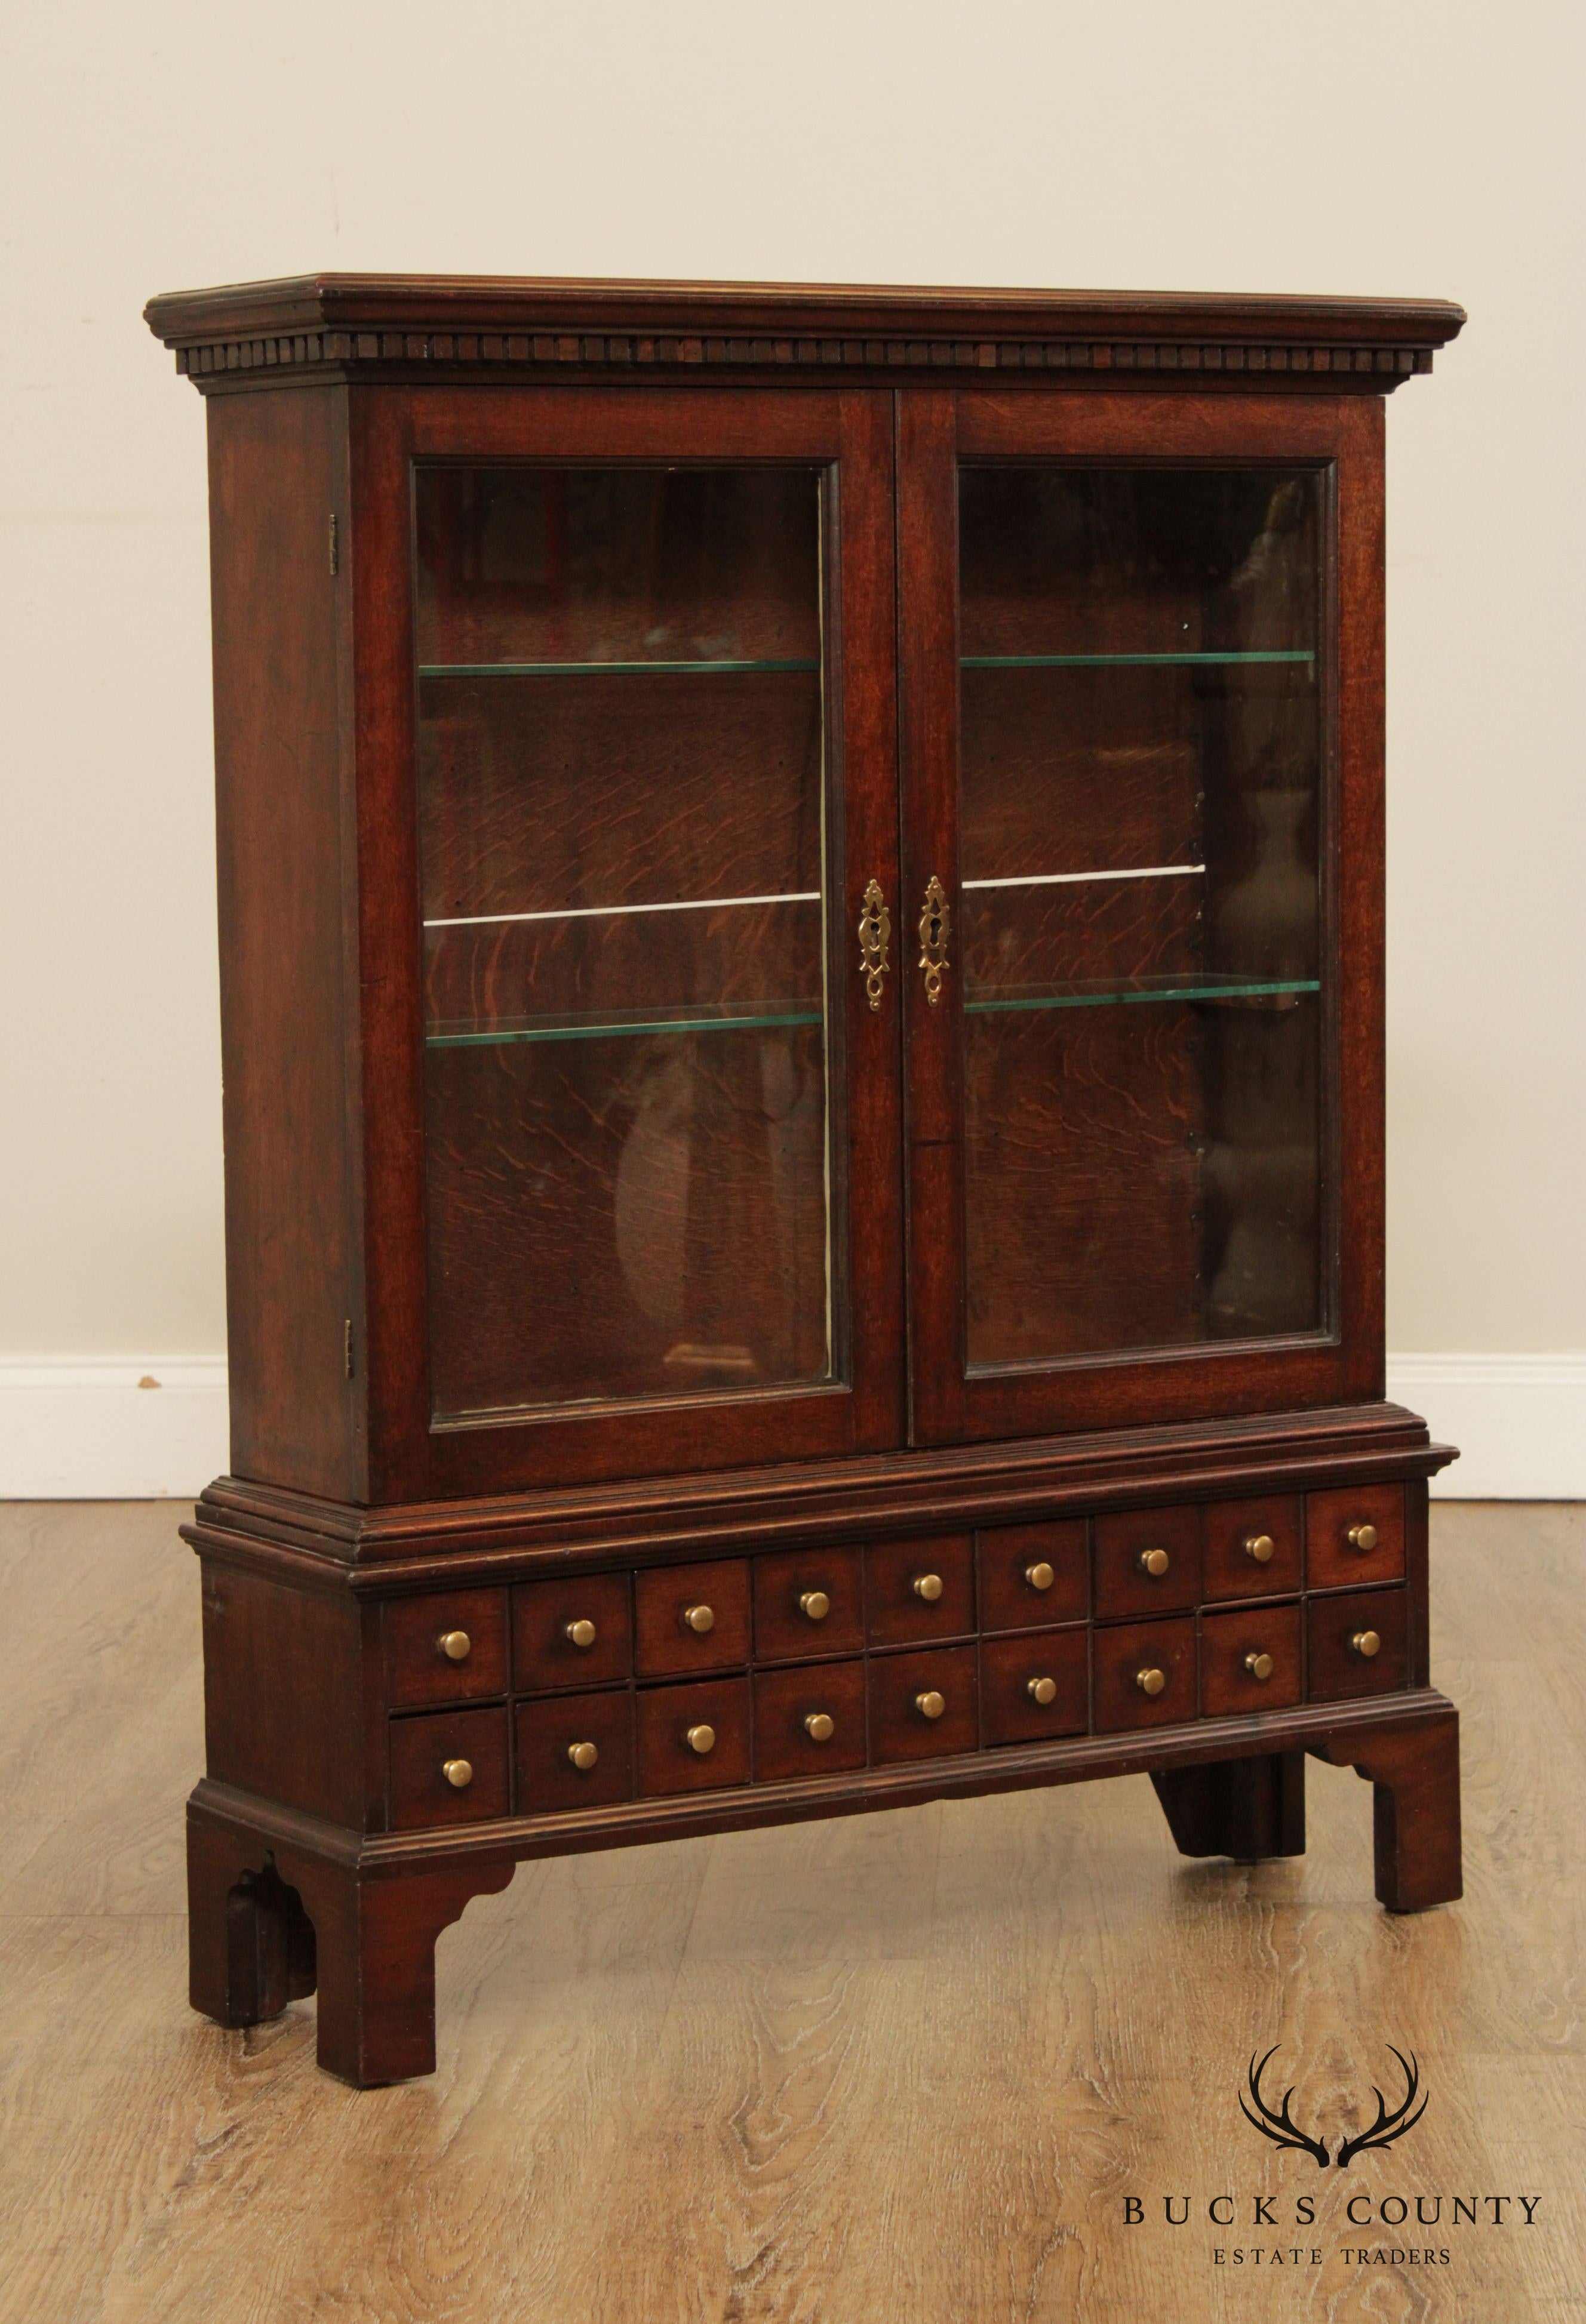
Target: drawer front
x=1015, y=1672
x=809, y=1602
x=1338, y=1664
x=667, y=1716
x=1250, y=1661
x=1128, y=1655
x=1336, y=1524
x=1130, y=1543
x=447, y=1647
x=424, y=1748
x=551, y=1622
x=1252, y=1548
x=670, y=1602
x=901, y=1726
x=1032, y=1575
x=810, y=1721
x=555, y=1740
x=901, y=1604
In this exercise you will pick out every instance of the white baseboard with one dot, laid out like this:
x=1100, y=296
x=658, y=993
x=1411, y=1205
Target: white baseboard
x=1519, y=1422
x=78, y=1429
x=74, y=1429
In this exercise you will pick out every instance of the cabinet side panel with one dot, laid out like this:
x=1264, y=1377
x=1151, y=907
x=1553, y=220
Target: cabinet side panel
x=283, y=1707
x=286, y=884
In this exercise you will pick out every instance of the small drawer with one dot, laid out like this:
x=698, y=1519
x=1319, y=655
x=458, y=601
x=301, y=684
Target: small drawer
x=575, y=1630
x=808, y=1603
x=1250, y=1662
x=448, y=1766
x=575, y=1751
x=924, y=1706
x=689, y=1617
x=1252, y=1548
x=447, y=1647
x=1354, y=1535
x=1034, y=1574
x=1130, y=1660
x=1147, y=1561
x=1357, y=1644
x=1018, y=1673
x=918, y=1589
x=694, y=1738
x=810, y=1721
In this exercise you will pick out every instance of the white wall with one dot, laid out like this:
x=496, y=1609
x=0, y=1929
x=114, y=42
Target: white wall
x=1428, y=147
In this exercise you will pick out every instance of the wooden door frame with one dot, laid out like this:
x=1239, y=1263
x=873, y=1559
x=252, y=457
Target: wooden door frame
x=848, y=433
x=1342, y=435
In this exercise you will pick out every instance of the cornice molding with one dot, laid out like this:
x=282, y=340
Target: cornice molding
x=369, y=328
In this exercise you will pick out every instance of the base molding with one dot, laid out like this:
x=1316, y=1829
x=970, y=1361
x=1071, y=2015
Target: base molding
x=1519, y=1420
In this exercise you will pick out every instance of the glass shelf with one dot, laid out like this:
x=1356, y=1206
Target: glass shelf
x=602, y=668
x=718, y=1018
x=1128, y=661
x=1111, y=994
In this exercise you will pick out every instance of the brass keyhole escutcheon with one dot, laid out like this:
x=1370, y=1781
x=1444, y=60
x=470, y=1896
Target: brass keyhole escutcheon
x=1362, y=1537
x=1041, y=1690
x=581, y=1634
x=930, y=1704
x=820, y=1727
x=1154, y=1562
x=584, y=1756
x=933, y=922
x=928, y=1586
x=1260, y=1546
x=701, y=1740
x=814, y=1603
x=1367, y=1642
x=459, y=1774
x=875, y=934
x=699, y=1619
x=1041, y=1576
x=1150, y=1681
x=455, y=1645
x=1259, y=1665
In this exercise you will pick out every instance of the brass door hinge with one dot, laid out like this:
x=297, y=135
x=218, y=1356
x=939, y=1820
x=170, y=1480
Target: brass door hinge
x=335, y=555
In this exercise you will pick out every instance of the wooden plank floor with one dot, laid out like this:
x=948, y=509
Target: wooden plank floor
x=900, y=2067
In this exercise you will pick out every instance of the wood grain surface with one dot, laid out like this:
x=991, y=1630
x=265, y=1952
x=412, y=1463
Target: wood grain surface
x=893, y=2067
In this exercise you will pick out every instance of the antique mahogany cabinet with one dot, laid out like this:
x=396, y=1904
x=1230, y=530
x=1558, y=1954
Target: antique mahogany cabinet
x=802, y=945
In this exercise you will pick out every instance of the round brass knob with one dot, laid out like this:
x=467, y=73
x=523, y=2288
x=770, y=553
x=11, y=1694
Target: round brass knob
x=1154, y=1562
x=1041, y=1690
x=1040, y=1577
x=816, y=1604
x=699, y=1618
x=928, y=1586
x=1260, y=1546
x=455, y=1645
x=1367, y=1642
x=1150, y=1681
x=458, y=1774
x=1259, y=1665
x=583, y=1634
x=1362, y=1537
x=931, y=1705
x=701, y=1740
x=584, y=1756
x=820, y=1727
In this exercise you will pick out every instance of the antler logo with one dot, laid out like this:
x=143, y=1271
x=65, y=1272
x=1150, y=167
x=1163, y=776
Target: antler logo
x=1284, y=2131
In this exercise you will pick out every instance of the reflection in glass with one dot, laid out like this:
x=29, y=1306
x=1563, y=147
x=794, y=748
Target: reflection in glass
x=1140, y=774
x=622, y=853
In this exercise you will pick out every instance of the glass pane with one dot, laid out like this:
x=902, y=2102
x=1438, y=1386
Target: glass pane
x=621, y=809
x=1141, y=765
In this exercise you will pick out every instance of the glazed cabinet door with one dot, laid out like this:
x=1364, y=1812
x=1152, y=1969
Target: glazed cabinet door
x=1143, y=829
x=627, y=776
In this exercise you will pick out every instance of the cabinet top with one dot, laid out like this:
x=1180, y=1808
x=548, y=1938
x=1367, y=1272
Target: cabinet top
x=485, y=327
